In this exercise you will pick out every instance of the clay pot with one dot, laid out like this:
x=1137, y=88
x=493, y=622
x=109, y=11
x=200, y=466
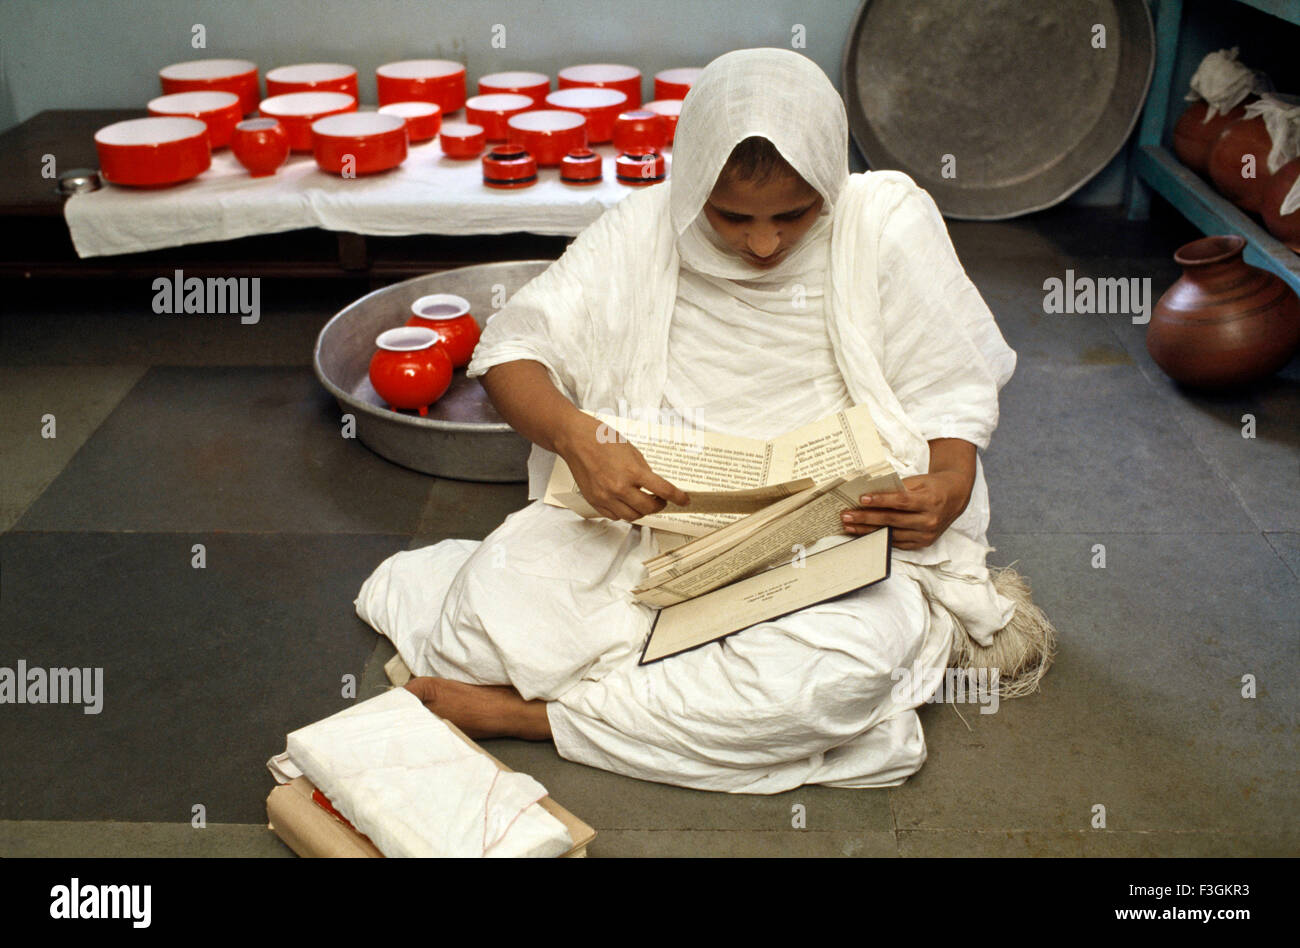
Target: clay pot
x=1194, y=137
x=1249, y=136
x=1285, y=228
x=1223, y=322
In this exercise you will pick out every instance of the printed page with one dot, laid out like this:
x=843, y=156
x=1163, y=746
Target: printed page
x=778, y=541
x=832, y=572
x=841, y=443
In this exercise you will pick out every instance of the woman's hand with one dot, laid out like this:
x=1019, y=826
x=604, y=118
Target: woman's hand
x=928, y=503
x=611, y=472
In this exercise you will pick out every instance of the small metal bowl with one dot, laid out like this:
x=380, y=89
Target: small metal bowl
x=78, y=180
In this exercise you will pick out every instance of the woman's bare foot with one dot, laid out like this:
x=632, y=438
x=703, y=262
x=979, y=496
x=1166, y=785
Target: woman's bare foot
x=483, y=710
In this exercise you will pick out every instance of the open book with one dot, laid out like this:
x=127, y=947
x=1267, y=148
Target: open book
x=756, y=508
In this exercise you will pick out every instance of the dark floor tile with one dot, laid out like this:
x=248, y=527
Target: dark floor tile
x=1088, y=447
x=1287, y=546
x=204, y=670
x=237, y=449
x=1143, y=712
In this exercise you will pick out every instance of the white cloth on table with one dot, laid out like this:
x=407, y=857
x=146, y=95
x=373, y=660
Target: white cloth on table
x=428, y=194
x=401, y=777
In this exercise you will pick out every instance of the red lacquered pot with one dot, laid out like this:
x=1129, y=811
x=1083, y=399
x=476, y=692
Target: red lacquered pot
x=462, y=141
x=219, y=111
x=670, y=109
x=640, y=132
x=1246, y=137
x=492, y=112
x=675, y=83
x=312, y=77
x=411, y=368
x=448, y=315
x=297, y=111
x=582, y=166
x=423, y=119
x=214, y=75
x=261, y=145
x=509, y=166
x=1194, y=137
x=357, y=143
x=549, y=134
x=1223, y=323
x=626, y=79
x=600, y=107
x=439, y=81
x=535, y=85
x=1285, y=227
x=152, y=152
x=640, y=169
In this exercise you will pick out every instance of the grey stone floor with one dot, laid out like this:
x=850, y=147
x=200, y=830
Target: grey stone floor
x=176, y=431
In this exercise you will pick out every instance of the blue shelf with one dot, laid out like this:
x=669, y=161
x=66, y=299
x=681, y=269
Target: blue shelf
x=1153, y=166
x=1213, y=213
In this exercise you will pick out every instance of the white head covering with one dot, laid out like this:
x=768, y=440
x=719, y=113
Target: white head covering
x=774, y=94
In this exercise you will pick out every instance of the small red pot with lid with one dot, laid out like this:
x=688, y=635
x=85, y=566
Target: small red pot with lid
x=509, y=166
x=448, y=315
x=640, y=169
x=582, y=166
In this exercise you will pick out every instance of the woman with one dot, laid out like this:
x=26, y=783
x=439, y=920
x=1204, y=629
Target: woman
x=761, y=288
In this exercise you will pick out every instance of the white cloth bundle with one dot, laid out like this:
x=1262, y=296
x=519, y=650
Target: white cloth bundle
x=1222, y=82
x=912, y=336
x=1281, y=115
x=401, y=777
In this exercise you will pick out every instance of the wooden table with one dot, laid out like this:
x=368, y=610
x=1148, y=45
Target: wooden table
x=34, y=239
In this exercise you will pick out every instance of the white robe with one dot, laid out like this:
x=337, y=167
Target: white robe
x=812, y=697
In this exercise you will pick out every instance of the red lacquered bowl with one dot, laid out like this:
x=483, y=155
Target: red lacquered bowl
x=261, y=145
x=582, y=166
x=549, y=134
x=410, y=368
x=640, y=169
x=214, y=75
x=448, y=315
x=493, y=111
x=423, y=119
x=600, y=107
x=462, y=141
x=219, y=111
x=298, y=110
x=675, y=83
x=439, y=81
x=357, y=143
x=535, y=85
x=639, y=132
x=626, y=79
x=670, y=109
x=509, y=166
x=151, y=152
x=312, y=77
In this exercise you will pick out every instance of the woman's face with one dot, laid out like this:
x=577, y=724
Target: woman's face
x=762, y=221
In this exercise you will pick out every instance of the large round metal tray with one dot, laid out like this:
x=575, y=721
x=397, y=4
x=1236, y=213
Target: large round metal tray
x=1013, y=90
x=462, y=437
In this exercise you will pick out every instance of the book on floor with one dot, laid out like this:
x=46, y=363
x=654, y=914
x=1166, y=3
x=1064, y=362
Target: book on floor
x=741, y=551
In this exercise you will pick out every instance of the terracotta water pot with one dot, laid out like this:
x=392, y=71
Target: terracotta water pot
x=1194, y=137
x=1285, y=227
x=1247, y=137
x=1223, y=322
